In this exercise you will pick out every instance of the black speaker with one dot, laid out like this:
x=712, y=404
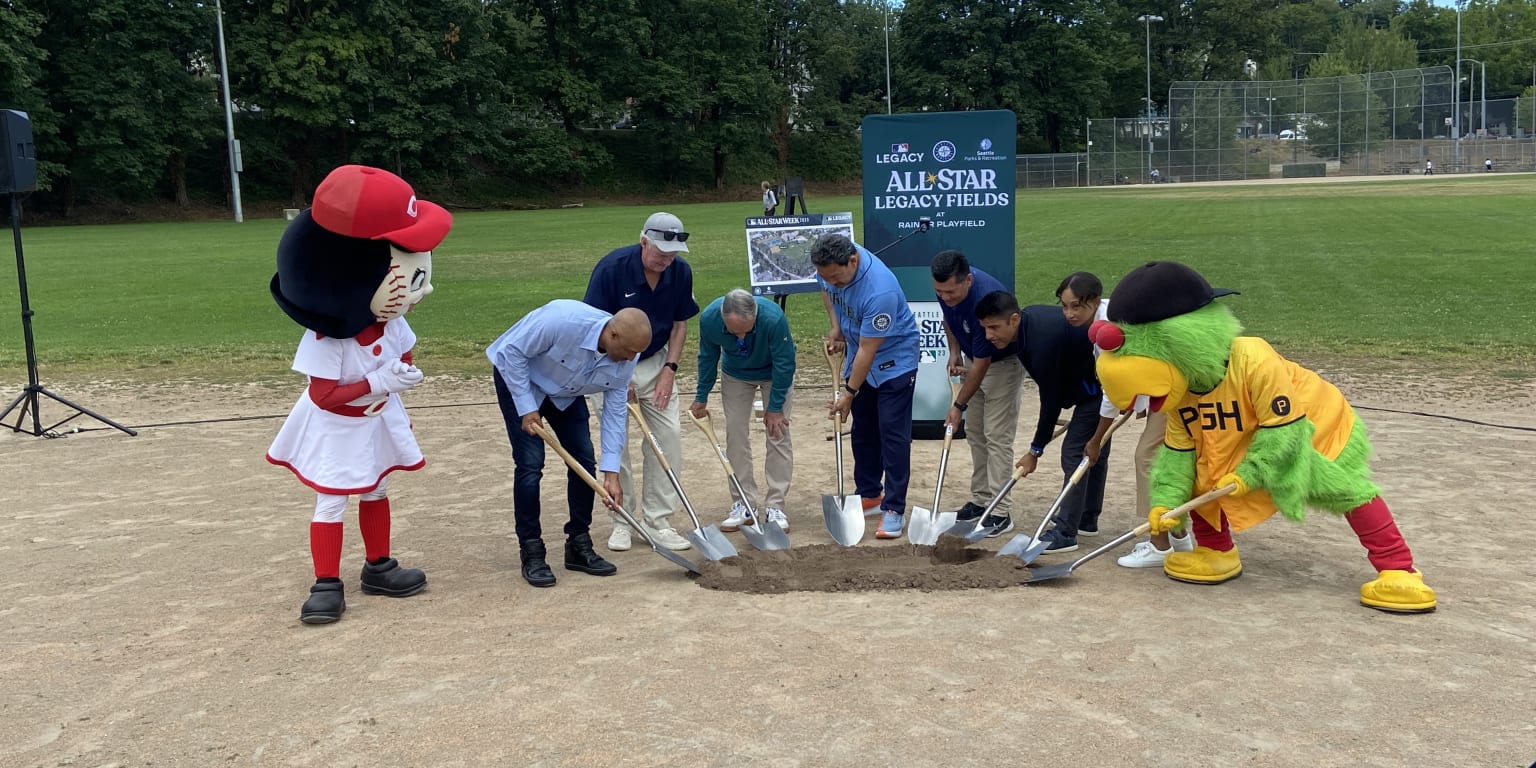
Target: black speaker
x=18, y=161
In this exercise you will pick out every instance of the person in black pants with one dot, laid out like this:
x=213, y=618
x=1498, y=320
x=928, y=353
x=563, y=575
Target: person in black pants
x=1060, y=359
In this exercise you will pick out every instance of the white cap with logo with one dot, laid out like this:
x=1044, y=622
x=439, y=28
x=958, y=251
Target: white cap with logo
x=666, y=232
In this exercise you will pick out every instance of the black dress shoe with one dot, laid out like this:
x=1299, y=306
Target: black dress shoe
x=580, y=557
x=386, y=577
x=535, y=570
x=326, y=603
x=969, y=513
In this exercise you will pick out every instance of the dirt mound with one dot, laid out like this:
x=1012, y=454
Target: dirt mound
x=829, y=568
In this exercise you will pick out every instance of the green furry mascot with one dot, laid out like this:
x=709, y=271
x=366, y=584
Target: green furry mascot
x=1240, y=414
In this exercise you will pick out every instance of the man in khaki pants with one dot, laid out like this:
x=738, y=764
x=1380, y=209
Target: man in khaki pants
x=989, y=398
x=748, y=339
x=652, y=277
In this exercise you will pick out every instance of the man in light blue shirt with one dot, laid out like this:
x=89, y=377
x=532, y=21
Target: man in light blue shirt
x=868, y=312
x=748, y=339
x=543, y=366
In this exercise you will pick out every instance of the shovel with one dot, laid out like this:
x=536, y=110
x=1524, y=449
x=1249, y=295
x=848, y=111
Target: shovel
x=977, y=531
x=844, y=514
x=758, y=535
x=925, y=525
x=1065, y=569
x=602, y=493
x=1029, y=548
x=713, y=547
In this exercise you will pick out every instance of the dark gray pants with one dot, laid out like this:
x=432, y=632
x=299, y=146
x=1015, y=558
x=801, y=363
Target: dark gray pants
x=1082, y=506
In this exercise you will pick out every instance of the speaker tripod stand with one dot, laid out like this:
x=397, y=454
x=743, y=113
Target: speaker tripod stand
x=29, y=400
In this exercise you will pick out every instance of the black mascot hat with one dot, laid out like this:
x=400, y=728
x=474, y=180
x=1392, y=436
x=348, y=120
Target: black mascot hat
x=1158, y=290
x=335, y=254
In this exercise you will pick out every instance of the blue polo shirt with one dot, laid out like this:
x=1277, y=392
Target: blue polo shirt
x=618, y=281
x=873, y=305
x=768, y=352
x=962, y=322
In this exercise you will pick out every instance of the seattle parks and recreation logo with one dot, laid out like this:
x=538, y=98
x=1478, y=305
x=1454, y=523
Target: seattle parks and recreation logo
x=944, y=151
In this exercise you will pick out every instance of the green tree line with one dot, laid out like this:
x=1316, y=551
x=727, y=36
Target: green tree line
x=484, y=100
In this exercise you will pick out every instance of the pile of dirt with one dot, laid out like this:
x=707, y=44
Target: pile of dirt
x=949, y=565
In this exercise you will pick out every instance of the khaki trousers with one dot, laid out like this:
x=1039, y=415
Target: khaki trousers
x=1152, y=434
x=991, y=423
x=658, y=500
x=736, y=397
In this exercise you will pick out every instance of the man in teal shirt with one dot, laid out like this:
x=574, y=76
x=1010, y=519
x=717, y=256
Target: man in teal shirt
x=749, y=338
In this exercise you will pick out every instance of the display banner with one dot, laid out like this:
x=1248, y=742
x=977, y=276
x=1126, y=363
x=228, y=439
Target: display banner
x=779, y=250
x=955, y=169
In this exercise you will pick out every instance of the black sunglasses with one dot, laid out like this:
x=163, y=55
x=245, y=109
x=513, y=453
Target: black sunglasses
x=681, y=237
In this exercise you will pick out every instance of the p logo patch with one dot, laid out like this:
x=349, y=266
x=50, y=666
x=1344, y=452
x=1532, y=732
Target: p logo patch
x=1281, y=405
x=881, y=321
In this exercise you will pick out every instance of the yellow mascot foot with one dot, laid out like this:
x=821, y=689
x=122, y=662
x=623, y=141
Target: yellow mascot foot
x=1397, y=592
x=1203, y=566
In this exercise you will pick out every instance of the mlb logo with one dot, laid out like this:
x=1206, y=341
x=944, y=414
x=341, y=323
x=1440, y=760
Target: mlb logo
x=900, y=147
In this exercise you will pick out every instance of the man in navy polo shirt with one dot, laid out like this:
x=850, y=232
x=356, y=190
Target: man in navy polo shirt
x=650, y=276
x=989, y=398
x=868, y=311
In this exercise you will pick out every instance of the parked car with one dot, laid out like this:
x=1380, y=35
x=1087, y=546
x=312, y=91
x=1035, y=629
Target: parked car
x=1290, y=135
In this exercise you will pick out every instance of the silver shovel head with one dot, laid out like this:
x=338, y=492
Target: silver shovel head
x=925, y=526
x=845, y=518
x=710, y=547
x=1026, y=547
x=1049, y=572
x=718, y=541
x=766, y=536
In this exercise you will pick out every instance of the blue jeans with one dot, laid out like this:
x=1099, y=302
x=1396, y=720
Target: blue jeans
x=571, y=429
x=882, y=440
x=1082, y=506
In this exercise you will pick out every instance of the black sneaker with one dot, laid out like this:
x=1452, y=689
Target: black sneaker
x=1089, y=529
x=997, y=525
x=969, y=513
x=1059, y=543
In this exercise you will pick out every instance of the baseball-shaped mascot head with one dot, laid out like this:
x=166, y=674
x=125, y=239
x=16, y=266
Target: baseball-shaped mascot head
x=361, y=254
x=1165, y=335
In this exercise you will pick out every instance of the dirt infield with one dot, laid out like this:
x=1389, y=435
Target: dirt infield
x=151, y=616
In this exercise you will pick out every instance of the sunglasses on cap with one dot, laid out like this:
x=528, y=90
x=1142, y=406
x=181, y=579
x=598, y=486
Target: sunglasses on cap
x=681, y=237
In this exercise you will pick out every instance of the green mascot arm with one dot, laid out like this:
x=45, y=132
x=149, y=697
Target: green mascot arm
x=1278, y=461
x=1172, y=478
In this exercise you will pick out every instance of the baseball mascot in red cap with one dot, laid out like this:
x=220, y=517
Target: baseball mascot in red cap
x=348, y=269
x=1239, y=414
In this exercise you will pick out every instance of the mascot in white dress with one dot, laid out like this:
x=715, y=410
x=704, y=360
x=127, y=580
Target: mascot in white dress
x=348, y=269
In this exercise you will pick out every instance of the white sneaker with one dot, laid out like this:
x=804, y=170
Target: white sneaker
x=777, y=516
x=1186, y=544
x=736, y=519
x=1144, y=555
x=619, y=540
x=669, y=538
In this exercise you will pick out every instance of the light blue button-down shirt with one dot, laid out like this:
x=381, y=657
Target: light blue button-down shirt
x=552, y=352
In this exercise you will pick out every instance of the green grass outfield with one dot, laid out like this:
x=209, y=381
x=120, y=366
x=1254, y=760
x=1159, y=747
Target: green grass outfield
x=1433, y=268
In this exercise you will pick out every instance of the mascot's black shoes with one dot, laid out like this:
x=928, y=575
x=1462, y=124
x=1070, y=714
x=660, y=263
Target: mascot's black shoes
x=386, y=577
x=580, y=557
x=326, y=603
x=535, y=569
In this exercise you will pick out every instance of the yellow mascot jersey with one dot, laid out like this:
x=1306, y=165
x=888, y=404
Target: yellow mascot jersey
x=1261, y=390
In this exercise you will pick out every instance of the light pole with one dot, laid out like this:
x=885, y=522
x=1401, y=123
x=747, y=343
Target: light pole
x=229, y=120
x=1482, y=79
x=1456, y=92
x=887, y=5
x=1147, y=19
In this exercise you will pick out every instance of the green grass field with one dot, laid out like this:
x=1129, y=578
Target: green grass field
x=1417, y=268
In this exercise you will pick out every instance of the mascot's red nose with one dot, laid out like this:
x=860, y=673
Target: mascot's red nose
x=1106, y=335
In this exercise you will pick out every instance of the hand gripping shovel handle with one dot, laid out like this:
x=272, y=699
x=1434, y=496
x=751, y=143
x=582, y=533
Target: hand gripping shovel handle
x=1077, y=474
x=1179, y=511
x=707, y=427
x=650, y=439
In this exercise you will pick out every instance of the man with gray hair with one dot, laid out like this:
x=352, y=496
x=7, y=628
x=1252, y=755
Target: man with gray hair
x=748, y=338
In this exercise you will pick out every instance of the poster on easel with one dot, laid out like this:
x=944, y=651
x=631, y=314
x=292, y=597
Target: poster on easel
x=779, y=250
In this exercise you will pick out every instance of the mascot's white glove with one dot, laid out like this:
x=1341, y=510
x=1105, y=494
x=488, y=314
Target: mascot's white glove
x=398, y=376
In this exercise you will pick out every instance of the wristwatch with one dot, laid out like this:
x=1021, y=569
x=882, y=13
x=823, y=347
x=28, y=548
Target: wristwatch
x=850, y=389
x=671, y=365
x=1036, y=452
x=959, y=406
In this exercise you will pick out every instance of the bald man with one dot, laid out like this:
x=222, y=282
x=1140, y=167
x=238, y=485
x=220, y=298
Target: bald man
x=544, y=365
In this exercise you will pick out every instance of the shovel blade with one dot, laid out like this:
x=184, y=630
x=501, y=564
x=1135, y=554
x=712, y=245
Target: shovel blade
x=1051, y=572
x=924, y=526
x=1026, y=547
x=845, y=519
x=715, y=547
x=676, y=558
x=771, y=537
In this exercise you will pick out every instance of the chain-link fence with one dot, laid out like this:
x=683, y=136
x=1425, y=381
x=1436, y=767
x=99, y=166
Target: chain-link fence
x=1368, y=124
x=1066, y=169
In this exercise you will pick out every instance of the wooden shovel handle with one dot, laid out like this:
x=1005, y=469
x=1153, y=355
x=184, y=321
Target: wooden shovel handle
x=1187, y=507
x=650, y=439
x=570, y=461
x=708, y=428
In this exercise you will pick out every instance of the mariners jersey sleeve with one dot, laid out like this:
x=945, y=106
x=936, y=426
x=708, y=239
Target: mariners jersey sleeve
x=1268, y=385
x=879, y=316
x=319, y=356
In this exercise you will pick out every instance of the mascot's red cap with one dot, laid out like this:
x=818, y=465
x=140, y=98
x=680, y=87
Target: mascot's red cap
x=374, y=204
x=1158, y=290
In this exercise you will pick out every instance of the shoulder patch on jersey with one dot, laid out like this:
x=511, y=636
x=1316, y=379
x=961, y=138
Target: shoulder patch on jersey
x=1281, y=405
x=881, y=322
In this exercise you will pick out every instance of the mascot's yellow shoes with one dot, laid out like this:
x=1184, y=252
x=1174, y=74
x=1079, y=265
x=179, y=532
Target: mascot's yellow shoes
x=1397, y=591
x=1203, y=566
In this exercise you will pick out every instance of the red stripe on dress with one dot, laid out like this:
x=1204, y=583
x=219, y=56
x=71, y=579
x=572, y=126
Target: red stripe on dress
x=344, y=491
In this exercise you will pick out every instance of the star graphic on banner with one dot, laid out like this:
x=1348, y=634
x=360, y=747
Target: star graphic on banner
x=932, y=178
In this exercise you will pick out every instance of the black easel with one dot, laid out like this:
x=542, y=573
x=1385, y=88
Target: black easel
x=28, y=399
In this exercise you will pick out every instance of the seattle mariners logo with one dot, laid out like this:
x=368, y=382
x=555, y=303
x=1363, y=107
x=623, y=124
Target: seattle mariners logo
x=944, y=151
x=881, y=322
